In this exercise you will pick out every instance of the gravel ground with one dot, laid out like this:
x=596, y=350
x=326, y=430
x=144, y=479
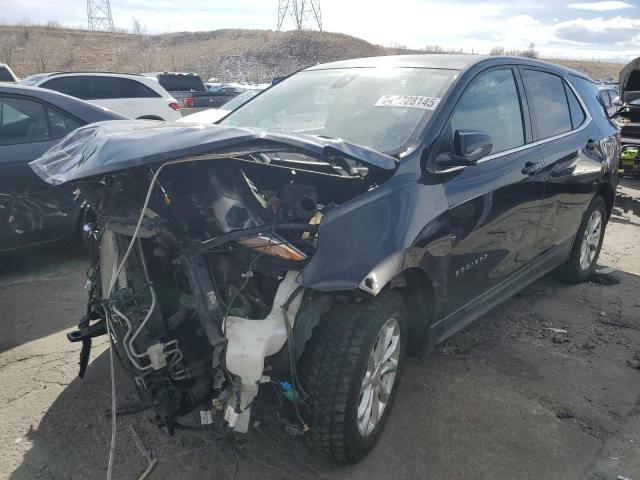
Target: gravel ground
x=507, y=398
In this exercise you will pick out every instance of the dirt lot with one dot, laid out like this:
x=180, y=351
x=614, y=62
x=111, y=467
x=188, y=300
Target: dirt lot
x=505, y=398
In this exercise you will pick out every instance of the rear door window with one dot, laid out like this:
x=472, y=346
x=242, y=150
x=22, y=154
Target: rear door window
x=550, y=114
x=74, y=86
x=22, y=121
x=28, y=121
x=94, y=87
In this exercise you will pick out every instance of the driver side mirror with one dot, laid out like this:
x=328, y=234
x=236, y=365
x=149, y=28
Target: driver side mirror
x=469, y=146
x=616, y=102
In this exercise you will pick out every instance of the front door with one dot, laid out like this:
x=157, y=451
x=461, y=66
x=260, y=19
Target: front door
x=31, y=210
x=494, y=205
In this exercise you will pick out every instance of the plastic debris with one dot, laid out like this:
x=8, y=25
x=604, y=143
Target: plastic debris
x=288, y=391
x=206, y=417
x=555, y=330
x=605, y=270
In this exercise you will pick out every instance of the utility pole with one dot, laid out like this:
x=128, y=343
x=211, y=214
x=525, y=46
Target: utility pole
x=301, y=11
x=99, y=15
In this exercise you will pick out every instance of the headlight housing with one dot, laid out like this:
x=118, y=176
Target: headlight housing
x=274, y=246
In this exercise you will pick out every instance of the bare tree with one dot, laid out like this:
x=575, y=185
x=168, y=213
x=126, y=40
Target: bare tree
x=530, y=52
x=138, y=29
x=41, y=56
x=145, y=53
x=8, y=45
x=497, y=51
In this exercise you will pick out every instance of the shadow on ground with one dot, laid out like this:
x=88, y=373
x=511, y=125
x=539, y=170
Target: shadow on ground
x=41, y=292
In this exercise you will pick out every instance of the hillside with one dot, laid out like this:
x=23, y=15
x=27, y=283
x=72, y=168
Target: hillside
x=231, y=55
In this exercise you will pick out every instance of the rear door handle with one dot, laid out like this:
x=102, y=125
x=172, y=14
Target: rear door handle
x=531, y=168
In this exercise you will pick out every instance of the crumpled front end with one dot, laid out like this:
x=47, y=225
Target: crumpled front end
x=198, y=268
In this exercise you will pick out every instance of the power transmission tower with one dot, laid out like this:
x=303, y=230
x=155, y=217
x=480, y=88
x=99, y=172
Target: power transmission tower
x=99, y=15
x=301, y=11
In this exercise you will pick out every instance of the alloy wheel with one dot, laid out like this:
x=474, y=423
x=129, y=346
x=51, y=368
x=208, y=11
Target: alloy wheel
x=379, y=379
x=591, y=240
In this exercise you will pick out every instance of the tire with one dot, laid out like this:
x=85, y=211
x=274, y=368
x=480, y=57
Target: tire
x=333, y=369
x=580, y=264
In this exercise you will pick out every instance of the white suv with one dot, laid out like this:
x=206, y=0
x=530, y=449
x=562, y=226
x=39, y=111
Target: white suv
x=133, y=96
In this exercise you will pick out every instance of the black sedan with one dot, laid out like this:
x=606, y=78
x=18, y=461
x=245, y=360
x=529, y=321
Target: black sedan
x=31, y=121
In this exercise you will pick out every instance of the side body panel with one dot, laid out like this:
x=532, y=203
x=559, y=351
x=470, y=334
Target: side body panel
x=493, y=219
x=31, y=211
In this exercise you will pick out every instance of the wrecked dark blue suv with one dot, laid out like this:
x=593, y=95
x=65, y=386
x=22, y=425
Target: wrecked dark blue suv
x=347, y=215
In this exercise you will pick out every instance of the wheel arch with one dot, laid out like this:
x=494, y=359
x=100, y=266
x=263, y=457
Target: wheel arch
x=418, y=292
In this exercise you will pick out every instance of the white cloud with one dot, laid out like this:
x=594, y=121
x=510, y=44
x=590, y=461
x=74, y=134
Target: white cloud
x=600, y=6
x=472, y=25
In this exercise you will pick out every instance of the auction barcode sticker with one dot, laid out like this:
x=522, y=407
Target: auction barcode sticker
x=415, y=101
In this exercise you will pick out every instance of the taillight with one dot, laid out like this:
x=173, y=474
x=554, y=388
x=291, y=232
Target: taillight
x=188, y=102
x=174, y=105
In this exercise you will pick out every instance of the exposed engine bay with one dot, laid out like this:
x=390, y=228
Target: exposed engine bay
x=200, y=292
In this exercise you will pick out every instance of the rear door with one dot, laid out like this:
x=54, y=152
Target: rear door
x=111, y=92
x=495, y=204
x=31, y=211
x=567, y=139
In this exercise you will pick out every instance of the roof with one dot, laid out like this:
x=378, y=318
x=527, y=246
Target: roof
x=452, y=62
x=84, y=72
x=155, y=74
x=440, y=61
x=79, y=108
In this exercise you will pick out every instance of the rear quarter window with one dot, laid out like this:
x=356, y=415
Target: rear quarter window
x=577, y=113
x=5, y=75
x=589, y=94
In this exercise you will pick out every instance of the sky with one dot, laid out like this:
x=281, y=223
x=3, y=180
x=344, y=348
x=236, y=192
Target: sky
x=607, y=30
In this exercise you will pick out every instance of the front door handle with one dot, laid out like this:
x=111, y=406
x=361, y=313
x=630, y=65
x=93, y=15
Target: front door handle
x=531, y=168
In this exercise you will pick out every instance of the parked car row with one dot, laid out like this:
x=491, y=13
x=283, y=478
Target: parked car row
x=134, y=96
x=41, y=109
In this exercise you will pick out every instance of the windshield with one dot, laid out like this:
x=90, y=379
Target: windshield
x=241, y=99
x=181, y=83
x=33, y=79
x=373, y=107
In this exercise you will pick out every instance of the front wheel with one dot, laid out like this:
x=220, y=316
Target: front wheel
x=587, y=243
x=350, y=372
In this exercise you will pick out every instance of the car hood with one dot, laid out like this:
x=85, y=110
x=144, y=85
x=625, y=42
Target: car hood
x=107, y=147
x=630, y=82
